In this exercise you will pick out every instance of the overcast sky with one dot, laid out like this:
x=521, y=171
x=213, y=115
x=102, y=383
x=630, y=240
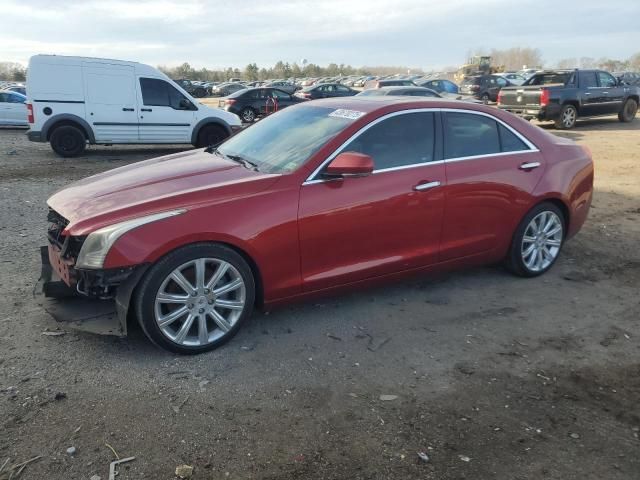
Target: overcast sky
x=220, y=33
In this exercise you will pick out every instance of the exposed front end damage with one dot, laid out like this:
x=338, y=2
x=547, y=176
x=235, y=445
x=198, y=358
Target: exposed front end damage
x=95, y=301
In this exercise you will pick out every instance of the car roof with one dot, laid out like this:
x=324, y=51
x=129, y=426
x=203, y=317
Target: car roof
x=372, y=104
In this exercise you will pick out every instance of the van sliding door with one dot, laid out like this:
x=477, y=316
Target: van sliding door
x=110, y=102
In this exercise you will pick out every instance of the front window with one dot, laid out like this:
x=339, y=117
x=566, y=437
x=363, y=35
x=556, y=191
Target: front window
x=606, y=80
x=284, y=141
x=158, y=93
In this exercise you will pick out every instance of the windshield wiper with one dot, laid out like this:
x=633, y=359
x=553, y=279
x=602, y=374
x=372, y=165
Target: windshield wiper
x=247, y=163
x=235, y=158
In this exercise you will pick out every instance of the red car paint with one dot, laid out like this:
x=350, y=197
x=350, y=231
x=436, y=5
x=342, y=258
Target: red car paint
x=309, y=238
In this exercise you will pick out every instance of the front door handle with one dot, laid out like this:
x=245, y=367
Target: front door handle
x=125, y=109
x=146, y=110
x=529, y=166
x=426, y=186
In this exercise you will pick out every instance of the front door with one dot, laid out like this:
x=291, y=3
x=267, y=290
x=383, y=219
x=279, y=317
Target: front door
x=491, y=173
x=110, y=102
x=612, y=93
x=352, y=229
x=166, y=115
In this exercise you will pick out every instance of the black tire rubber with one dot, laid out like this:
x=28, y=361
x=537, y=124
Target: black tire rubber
x=514, y=262
x=68, y=141
x=485, y=98
x=211, y=134
x=558, y=122
x=629, y=110
x=248, y=110
x=146, y=291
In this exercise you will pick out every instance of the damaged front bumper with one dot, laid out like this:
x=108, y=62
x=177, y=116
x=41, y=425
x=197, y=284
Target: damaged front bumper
x=96, y=302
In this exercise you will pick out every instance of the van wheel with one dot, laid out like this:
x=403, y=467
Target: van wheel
x=629, y=111
x=196, y=298
x=68, y=141
x=211, y=135
x=567, y=118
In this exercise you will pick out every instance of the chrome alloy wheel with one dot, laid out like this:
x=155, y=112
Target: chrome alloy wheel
x=200, y=301
x=541, y=241
x=569, y=117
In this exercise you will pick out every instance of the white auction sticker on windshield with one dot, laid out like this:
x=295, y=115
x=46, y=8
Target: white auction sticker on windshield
x=343, y=113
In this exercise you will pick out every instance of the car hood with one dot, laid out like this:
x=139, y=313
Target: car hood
x=160, y=184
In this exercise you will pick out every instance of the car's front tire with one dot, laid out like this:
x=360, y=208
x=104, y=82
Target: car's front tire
x=537, y=241
x=68, y=141
x=195, y=298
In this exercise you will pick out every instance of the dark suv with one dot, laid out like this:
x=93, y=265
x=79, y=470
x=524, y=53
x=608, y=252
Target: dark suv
x=197, y=91
x=251, y=103
x=484, y=87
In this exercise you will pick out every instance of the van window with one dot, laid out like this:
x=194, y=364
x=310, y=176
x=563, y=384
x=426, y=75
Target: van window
x=156, y=92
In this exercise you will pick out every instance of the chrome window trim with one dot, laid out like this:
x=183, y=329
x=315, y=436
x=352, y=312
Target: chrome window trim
x=531, y=147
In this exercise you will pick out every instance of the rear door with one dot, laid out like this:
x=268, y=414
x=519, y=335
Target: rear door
x=111, y=106
x=166, y=115
x=491, y=172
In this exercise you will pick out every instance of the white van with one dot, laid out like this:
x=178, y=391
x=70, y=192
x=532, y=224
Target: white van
x=73, y=101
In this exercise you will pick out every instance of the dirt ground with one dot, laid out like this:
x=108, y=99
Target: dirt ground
x=491, y=376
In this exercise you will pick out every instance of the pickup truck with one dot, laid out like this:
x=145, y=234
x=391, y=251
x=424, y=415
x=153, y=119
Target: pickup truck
x=564, y=95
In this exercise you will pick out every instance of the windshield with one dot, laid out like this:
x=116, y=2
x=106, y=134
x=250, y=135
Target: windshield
x=548, y=78
x=284, y=141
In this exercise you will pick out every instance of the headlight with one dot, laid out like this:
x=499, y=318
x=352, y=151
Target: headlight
x=95, y=248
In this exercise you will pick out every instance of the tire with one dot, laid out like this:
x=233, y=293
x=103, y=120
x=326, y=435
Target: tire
x=195, y=330
x=211, y=135
x=248, y=115
x=68, y=141
x=545, y=214
x=567, y=118
x=629, y=110
x=485, y=98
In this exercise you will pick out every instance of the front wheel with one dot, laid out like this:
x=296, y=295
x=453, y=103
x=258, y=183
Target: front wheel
x=196, y=298
x=629, y=111
x=567, y=118
x=211, y=135
x=537, y=241
x=485, y=98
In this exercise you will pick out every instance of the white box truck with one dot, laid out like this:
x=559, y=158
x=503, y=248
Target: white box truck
x=75, y=101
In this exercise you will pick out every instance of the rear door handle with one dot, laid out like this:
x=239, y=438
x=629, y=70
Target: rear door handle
x=426, y=186
x=125, y=109
x=146, y=110
x=529, y=166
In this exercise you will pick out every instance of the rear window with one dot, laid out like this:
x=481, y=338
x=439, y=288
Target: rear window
x=548, y=78
x=468, y=135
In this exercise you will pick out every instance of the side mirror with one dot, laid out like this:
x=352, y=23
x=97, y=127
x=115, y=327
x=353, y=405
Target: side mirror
x=350, y=164
x=185, y=104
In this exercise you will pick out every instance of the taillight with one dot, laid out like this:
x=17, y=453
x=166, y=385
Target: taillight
x=229, y=101
x=544, y=97
x=30, y=118
x=499, y=97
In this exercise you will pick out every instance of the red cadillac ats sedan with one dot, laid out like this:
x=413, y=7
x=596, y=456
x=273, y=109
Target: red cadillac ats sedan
x=322, y=196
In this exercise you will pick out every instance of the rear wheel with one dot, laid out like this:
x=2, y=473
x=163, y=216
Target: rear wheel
x=211, y=135
x=629, y=110
x=537, y=241
x=567, y=118
x=196, y=298
x=68, y=141
x=248, y=115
